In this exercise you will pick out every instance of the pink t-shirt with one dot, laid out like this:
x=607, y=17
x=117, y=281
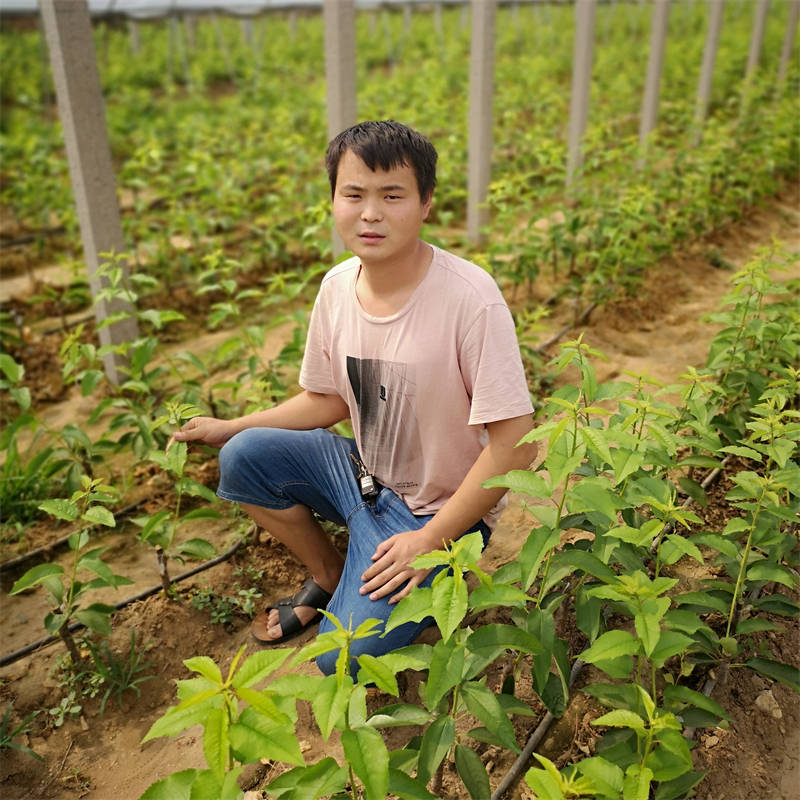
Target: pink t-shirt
x=421, y=383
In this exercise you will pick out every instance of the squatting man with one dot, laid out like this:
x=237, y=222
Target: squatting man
x=417, y=348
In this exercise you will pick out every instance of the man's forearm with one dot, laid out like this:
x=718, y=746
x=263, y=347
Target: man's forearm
x=471, y=502
x=304, y=411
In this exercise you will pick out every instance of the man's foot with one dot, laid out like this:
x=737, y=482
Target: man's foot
x=291, y=615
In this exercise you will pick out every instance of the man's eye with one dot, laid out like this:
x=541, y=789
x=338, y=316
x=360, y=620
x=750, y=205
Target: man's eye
x=393, y=197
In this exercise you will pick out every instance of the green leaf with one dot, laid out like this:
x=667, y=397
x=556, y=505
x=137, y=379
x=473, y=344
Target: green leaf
x=680, y=696
x=264, y=704
x=649, y=630
x=497, y=594
x=472, y=773
x=449, y=602
x=669, y=644
x=61, y=509
x=205, y=666
x=766, y=571
x=498, y=637
x=374, y=670
x=331, y=702
x=399, y=714
x=179, y=718
x=521, y=481
x=610, y=645
x=622, y=718
x=97, y=515
x=96, y=620
x=36, y=575
x=254, y=736
x=637, y=783
x=483, y=704
x=258, y=666
x=322, y=779
x=678, y=787
x=215, y=742
x=414, y=607
x=11, y=369
x=177, y=786
x=606, y=777
x=366, y=754
x=539, y=542
x=785, y=673
x=596, y=442
x=406, y=787
x=447, y=666
x=200, y=549
x=436, y=742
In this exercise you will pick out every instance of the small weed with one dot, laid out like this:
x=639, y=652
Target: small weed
x=67, y=707
x=121, y=672
x=9, y=734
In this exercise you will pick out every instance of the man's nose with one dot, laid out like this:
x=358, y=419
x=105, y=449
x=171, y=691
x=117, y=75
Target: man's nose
x=371, y=211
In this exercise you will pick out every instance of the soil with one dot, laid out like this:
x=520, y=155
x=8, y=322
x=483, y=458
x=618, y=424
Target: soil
x=99, y=756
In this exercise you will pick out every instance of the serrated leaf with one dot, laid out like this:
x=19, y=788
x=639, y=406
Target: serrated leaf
x=254, y=737
x=36, y=575
x=398, y=715
x=621, y=718
x=215, y=742
x=61, y=509
x=177, y=786
x=436, y=742
x=450, y=595
x=366, y=754
x=472, y=772
x=374, y=670
x=259, y=665
x=610, y=645
x=483, y=704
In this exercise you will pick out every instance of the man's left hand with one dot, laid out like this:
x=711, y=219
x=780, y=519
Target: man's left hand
x=391, y=566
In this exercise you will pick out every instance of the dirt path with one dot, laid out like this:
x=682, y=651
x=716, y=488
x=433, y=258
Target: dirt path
x=659, y=334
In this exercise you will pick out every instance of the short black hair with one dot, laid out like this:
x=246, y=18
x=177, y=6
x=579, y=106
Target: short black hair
x=385, y=145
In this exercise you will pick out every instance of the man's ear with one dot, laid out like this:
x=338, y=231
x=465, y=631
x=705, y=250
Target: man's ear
x=426, y=206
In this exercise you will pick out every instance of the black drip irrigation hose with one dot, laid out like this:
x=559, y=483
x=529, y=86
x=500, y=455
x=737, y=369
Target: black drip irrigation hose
x=44, y=549
x=533, y=740
x=522, y=760
x=76, y=626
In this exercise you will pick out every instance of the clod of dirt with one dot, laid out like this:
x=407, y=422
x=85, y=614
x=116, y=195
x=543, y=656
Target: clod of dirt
x=767, y=703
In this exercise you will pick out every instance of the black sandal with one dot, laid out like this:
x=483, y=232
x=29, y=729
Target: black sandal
x=310, y=594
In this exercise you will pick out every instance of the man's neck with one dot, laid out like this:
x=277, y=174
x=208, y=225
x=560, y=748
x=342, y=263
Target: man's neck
x=383, y=288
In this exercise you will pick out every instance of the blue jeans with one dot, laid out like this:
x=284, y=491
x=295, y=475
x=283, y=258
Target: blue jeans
x=278, y=469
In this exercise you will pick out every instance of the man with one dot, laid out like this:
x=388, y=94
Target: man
x=417, y=347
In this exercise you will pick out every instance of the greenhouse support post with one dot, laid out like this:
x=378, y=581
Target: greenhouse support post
x=715, y=13
x=481, y=80
x=756, y=40
x=80, y=104
x=788, y=40
x=340, y=72
x=655, y=65
x=583, y=53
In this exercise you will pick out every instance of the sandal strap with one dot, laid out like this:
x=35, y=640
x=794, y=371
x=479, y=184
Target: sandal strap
x=310, y=594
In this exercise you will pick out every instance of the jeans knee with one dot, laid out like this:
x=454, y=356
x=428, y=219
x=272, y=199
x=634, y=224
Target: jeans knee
x=327, y=662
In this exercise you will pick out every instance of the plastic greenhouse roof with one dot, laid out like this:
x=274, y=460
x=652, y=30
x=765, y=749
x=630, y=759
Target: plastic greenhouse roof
x=145, y=9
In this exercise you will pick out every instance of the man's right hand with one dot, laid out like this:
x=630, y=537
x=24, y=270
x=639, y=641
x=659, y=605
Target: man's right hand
x=205, y=430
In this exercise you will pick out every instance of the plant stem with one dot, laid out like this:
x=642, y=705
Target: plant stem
x=743, y=566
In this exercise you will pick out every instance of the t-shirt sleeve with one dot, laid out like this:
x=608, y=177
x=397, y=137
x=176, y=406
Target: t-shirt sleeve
x=492, y=368
x=316, y=374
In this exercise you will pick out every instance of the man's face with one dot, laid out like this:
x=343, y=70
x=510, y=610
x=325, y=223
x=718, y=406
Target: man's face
x=378, y=214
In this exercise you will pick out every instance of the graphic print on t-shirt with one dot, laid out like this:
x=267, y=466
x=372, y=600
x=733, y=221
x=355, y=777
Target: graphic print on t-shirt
x=385, y=393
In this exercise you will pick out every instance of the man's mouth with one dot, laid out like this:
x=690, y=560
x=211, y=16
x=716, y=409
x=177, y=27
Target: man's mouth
x=370, y=236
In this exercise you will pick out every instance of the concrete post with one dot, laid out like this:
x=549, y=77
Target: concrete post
x=340, y=72
x=481, y=91
x=583, y=52
x=788, y=40
x=80, y=105
x=756, y=40
x=715, y=13
x=655, y=64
